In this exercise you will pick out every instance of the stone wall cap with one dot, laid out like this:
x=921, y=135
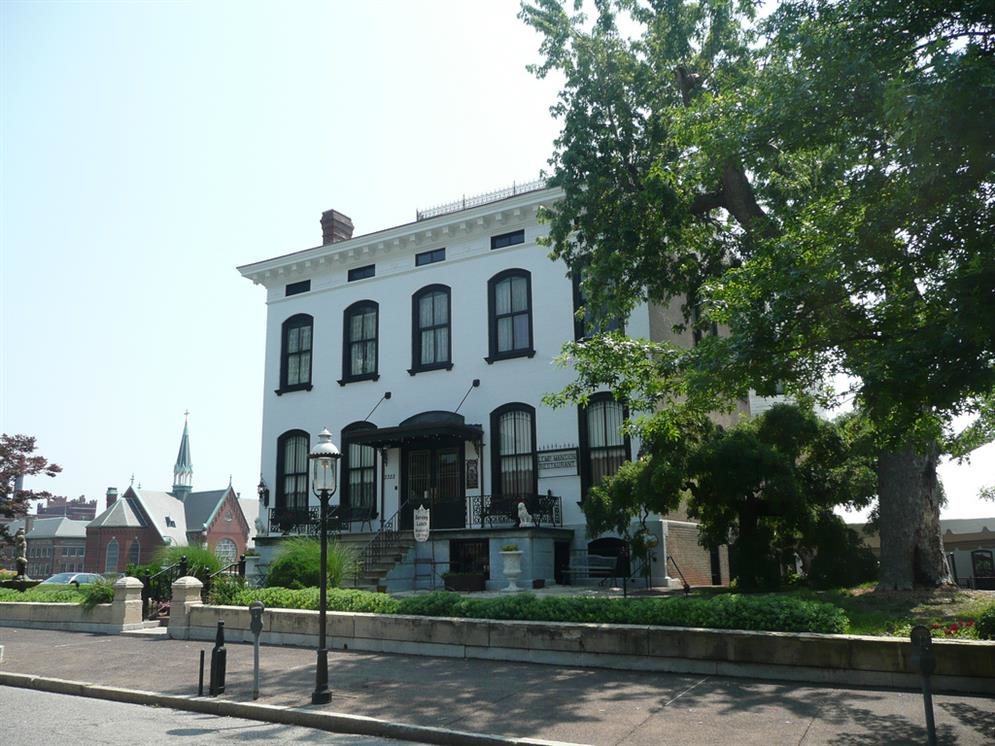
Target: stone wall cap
x=188, y=581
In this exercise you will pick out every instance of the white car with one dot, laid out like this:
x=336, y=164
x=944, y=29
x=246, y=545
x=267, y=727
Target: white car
x=72, y=578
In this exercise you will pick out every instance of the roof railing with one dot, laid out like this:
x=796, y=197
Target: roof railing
x=481, y=199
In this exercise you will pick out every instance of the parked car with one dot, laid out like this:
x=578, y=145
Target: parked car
x=72, y=578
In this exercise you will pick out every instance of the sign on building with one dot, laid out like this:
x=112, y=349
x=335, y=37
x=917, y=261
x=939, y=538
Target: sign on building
x=559, y=463
x=422, y=523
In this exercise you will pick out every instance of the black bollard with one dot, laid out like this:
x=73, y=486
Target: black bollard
x=218, y=663
x=924, y=659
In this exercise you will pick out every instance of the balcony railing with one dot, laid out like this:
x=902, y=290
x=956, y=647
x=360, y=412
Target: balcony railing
x=478, y=511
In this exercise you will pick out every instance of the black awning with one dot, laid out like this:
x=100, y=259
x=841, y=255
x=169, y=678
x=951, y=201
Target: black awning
x=426, y=426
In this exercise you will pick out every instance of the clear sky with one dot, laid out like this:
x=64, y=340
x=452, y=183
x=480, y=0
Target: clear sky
x=148, y=148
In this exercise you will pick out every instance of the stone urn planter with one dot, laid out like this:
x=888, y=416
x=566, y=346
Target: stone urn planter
x=511, y=557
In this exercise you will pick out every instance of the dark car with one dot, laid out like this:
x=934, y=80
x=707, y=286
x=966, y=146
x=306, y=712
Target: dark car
x=72, y=578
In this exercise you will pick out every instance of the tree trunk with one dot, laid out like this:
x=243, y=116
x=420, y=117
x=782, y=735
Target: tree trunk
x=911, y=544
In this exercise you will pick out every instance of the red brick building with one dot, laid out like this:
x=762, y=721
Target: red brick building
x=133, y=528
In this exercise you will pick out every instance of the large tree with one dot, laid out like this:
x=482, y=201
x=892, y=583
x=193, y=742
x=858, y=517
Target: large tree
x=18, y=460
x=821, y=183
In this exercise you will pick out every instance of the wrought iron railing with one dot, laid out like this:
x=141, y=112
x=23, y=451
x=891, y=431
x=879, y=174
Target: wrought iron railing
x=236, y=571
x=504, y=510
x=480, y=199
x=383, y=541
x=157, y=589
x=294, y=520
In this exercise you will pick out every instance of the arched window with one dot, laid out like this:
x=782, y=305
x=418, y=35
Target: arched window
x=110, y=556
x=509, y=304
x=359, y=342
x=134, y=553
x=291, y=469
x=513, y=455
x=226, y=552
x=430, y=329
x=359, y=483
x=604, y=447
x=295, y=353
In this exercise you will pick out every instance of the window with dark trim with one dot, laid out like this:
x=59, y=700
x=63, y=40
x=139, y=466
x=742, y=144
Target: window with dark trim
x=291, y=469
x=509, y=303
x=361, y=273
x=431, y=341
x=430, y=257
x=507, y=239
x=603, y=445
x=359, y=485
x=359, y=342
x=296, y=288
x=295, y=353
x=513, y=451
x=589, y=322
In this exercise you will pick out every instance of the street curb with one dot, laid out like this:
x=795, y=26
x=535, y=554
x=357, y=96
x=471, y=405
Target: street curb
x=334, y=722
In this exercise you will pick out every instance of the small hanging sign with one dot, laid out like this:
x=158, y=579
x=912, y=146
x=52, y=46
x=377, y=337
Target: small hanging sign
x=422, y=523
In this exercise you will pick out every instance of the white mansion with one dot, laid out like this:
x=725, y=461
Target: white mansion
x=426, y=350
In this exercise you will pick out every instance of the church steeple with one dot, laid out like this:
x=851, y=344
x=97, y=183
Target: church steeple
x=183, y=471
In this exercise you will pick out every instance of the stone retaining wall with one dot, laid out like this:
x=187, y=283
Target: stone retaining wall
x=124, y=613
x=962, y=665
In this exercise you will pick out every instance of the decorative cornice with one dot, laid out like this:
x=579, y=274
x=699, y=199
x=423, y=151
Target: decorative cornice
x=406, y=238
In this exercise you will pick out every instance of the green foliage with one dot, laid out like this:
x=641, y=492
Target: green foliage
x=42, y=594
x=201, y=562
x=298, y=564
x=338, y=599
x=225, y=590
x=842, y=560
x=819, y=183
x=727, y=611
x=986, y=623
x=100, y=591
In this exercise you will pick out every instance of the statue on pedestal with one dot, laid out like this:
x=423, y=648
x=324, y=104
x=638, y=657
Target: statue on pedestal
x=21, y=554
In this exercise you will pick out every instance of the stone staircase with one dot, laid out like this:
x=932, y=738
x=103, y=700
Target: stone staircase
x=371, y=578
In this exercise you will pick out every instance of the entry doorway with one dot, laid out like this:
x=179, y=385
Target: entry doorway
x=433, y=476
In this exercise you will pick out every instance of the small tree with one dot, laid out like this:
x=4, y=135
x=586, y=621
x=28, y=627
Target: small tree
x=17, y=459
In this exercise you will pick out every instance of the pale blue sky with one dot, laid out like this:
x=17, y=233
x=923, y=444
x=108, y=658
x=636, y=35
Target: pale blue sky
x=148, y=148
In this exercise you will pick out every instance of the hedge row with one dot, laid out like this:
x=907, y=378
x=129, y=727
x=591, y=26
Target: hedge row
x=728, y=611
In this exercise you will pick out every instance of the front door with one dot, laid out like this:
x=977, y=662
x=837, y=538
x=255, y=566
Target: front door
x=434, y=478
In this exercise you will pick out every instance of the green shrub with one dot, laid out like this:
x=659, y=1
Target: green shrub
x=339, y=599
x=98, y=592
x=225, y=589
x=299, y=560
x=986, y=623
x=727, y=611
x=201, y=562
x=42, y=594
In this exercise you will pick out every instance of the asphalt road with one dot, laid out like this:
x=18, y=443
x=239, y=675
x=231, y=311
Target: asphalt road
x=41, y=718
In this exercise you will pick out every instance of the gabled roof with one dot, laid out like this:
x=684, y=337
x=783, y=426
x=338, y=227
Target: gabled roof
x=57, y=528
x=121, y=514
x=202, y=507
x=165, y=513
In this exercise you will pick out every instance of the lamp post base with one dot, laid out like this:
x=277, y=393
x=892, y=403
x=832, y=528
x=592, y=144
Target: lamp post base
x=321, y=695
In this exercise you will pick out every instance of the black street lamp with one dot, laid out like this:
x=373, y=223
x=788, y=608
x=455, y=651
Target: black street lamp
x=324, y=459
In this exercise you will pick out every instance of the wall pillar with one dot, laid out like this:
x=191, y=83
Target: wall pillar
x=126, y=608
x=186, y=595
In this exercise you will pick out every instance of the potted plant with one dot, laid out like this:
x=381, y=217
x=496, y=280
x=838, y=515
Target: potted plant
x=511, y=557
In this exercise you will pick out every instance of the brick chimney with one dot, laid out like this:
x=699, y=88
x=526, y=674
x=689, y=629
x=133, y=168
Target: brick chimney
x=335, y=227
x=111, y=496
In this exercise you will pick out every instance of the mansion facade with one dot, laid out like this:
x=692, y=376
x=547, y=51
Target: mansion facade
x=426, y=350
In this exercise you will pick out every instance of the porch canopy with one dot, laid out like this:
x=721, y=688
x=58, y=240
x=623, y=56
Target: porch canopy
x=420, y=427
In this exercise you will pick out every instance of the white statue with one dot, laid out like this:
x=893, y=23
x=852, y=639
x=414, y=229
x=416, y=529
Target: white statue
x=524, y=517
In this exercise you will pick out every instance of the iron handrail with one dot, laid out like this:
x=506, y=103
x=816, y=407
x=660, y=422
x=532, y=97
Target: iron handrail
x=687, y=586
x=377, y=547
x=161, y=583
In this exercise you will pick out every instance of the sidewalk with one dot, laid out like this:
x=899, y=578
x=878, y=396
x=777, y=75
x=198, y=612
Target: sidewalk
x=511, y=700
